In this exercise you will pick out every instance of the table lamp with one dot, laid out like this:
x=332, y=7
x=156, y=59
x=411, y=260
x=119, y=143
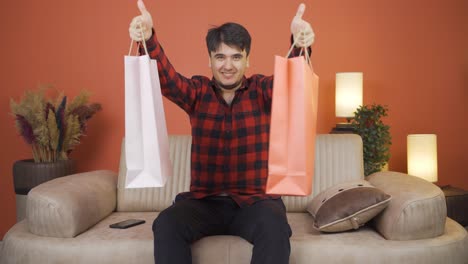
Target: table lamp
x=348, y=97
x=422, y=156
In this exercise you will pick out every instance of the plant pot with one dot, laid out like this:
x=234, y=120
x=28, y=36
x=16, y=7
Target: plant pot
x=27, y=174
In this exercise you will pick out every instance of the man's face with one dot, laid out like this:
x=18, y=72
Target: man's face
x=228, y=65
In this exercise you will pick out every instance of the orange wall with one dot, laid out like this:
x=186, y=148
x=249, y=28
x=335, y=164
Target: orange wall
x=414, y=55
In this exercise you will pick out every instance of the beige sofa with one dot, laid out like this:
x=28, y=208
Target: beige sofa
x=67, y=219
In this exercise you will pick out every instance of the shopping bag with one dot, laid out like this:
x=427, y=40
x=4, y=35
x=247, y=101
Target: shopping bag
x=293, y=127
x=146, y=140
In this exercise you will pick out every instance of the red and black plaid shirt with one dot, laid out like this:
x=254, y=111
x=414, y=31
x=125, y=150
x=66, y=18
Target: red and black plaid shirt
x=229, y=142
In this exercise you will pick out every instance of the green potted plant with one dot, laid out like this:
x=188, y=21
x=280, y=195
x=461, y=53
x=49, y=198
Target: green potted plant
x=53, y=128
x=376, y=138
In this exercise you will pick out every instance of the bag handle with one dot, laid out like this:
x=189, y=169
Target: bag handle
x=144, y=42
x=307, y=58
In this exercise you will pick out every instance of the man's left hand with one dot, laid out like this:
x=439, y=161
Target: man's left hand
x=303, y=34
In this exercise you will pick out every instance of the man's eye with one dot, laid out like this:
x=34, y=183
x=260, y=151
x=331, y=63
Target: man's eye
x=237, y=58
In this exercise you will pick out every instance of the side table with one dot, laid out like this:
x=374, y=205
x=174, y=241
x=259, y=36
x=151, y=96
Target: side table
x=457, y=204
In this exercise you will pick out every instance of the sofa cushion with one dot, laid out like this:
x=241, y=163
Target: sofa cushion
x=347, y=206
x=104, y=245
x=67, y=206
x=157, y=199
x=417, y=210
x=338, y=158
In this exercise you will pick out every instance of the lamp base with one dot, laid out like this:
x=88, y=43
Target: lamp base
x=343, y=128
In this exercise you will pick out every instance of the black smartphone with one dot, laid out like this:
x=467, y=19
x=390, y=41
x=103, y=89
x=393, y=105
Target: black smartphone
x=127, y=223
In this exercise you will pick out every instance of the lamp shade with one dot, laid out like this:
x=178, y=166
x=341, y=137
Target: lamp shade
x=348, y=93
x=422, y=156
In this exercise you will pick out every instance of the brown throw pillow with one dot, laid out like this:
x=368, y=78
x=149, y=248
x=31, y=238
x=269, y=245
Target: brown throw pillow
x=347, y=206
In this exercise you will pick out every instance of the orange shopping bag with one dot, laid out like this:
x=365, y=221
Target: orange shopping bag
x=293, y=127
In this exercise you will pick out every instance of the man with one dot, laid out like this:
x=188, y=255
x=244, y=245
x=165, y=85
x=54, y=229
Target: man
x=230, y=119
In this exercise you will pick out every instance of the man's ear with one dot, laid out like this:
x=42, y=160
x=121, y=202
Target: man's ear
x=248, y=62
x=209, y=61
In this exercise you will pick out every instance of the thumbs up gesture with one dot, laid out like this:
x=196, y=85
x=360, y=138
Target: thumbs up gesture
x=140, y=27
x=303, y=34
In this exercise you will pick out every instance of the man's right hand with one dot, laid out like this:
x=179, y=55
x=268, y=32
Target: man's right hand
x=141, y=24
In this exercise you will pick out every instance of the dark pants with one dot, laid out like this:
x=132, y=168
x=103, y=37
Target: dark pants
x=264, y=224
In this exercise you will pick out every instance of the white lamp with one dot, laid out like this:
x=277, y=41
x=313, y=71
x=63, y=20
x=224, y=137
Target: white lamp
x=348, y=97
x=422, y=156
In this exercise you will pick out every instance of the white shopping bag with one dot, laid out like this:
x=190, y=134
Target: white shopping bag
x=146, y=140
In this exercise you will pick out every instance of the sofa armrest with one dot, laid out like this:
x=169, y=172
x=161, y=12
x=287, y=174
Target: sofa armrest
x=417, y=209
x=67, y=206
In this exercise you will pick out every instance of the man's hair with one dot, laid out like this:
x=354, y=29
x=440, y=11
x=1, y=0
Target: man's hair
x=231, y=34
